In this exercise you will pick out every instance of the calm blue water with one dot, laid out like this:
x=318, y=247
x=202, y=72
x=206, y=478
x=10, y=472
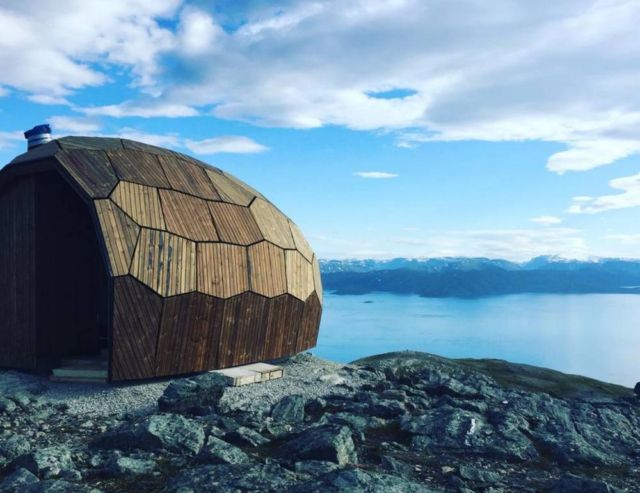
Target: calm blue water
x=597, y=335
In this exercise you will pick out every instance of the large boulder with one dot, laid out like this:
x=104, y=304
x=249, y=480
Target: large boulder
x=217, y=451
x=233, y=477
x=47, y=462
x=289, y=409
x=170, y=432
x=189, y=394
x=576, y=484
x=326, y=442
x=17, y=480
x=359, y=481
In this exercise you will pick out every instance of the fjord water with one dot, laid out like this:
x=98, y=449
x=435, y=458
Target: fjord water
x=596, y=335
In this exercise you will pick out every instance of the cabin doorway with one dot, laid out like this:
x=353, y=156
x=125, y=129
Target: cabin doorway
x=72, y=296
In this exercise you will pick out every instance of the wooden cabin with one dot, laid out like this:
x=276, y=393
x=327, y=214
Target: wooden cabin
x=163, y=264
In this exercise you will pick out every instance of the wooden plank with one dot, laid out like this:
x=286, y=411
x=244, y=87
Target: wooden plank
x=138, y=167
x=91, y=143
x=317, y=278
x=222, y=269
x=283, y=322
x=229, y=190
x=187, y=216
x=310, y=324
x=120, y=235
x=141, y=203
x=90, y=169
x=267, y=269
x=302, y=245
x=188, y=177
x=272, y=223
x=243, y=321
x=299, y=275
x=165, y=262
x=243, y=185
x=141, y=146
x=189, y=334
x=234, y=223
x=18, y=274
x=136, y=321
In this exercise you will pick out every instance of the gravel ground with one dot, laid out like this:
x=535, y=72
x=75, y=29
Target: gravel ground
x=304, y=374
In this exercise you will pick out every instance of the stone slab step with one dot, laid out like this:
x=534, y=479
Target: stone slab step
x=53, y=378
x=253, y=373
x=83, y=369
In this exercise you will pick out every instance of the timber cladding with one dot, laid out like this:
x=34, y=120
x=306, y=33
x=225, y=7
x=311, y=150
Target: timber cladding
x=203, y=272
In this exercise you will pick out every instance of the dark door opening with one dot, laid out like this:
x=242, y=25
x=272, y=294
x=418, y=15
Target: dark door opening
x=71, y=281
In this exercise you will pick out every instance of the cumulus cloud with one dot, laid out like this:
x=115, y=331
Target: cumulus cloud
x=629, y=197
x=507, y=70
x=74, y=125
x=376, y=175
x=49, y=51
x=161, y=140
x=546, y=220
x=10, y=139
x=233, y=144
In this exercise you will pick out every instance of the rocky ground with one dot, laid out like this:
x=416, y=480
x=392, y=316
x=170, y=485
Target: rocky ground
x=392, y=423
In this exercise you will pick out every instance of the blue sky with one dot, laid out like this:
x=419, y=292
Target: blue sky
x=382, y=127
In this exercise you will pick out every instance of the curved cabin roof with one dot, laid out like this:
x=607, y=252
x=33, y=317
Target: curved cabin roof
x=179, y=225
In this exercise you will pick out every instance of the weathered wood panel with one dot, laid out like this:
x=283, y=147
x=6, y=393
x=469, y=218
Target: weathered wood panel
x=41, y=152
x=136, y=321
x=90, y=169
x=189, y=334
x=317, y=278
x=244, y=185
x=141, y=203
x=138, y=167
x=165, y=262
x=188, y=177
x=238, y=341
x=18, y=274
x=310, y=322
x=272, y=223
x=229, y=190
x=235, y=224
x=285, y=316
x=267, y=269
x=91, y=143
x=187, y=216
x=302, y=245
x=120, y=235
x=222, y=269
x=299, y=275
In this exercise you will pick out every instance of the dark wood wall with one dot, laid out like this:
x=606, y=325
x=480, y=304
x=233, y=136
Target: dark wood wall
x=17, y=274
x=71, y=291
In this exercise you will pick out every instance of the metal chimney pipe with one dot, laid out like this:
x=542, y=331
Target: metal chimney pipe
x=38, y=135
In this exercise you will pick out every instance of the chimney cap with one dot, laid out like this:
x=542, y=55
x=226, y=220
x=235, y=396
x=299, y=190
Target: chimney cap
x=38, y=130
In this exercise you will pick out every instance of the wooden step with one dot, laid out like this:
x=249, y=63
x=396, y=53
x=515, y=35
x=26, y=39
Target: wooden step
x=81, y=370
x=253, y=373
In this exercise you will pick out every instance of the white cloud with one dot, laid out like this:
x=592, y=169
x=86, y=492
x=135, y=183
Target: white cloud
x=507, y=70
x=630, y=197
x=9, y=140
x=510, y=244
x=145, y=109
x=234, y=144
x=628, y=239
x=375, y=174
x=161, y=140
x=46, y=50
x=74, y=125
x=546, y=220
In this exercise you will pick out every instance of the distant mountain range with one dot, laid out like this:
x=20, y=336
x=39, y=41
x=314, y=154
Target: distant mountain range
x=477, y=277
